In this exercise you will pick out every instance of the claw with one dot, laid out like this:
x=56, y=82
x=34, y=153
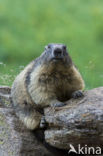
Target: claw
x=58, y=104
x=77, y=94
x=43, y=122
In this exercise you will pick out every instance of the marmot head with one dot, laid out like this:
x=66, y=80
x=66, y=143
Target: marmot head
x=56, y=54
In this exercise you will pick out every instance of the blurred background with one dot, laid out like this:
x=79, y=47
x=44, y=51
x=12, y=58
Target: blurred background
x=26, y=26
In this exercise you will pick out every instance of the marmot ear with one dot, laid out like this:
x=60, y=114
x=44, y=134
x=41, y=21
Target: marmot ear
x=46, y=47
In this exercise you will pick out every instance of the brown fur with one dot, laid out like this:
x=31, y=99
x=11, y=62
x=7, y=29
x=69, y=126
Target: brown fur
x=40, y=85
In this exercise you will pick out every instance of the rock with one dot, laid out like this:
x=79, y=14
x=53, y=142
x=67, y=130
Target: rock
x=79, y=122
x=5, y=95
x=15, y=139
x=5, y=89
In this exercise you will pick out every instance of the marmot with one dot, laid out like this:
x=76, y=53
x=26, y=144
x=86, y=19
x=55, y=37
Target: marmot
x=49, y=80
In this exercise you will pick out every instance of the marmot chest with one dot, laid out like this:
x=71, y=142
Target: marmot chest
x=59, y=83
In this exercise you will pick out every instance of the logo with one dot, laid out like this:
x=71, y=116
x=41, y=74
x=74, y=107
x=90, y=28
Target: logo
x=85, y=150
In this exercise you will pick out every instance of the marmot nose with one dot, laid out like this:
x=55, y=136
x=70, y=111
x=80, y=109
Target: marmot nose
x=58, y=52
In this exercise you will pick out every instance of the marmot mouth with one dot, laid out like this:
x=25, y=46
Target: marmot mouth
x=57, y=58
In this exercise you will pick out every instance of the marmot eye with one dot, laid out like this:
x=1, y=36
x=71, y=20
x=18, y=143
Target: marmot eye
x=64, y=47
x=49, y=46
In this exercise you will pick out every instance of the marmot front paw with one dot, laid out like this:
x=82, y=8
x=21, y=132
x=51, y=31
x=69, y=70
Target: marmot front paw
x=77, y=94
x=58, y=104
x=43, y=122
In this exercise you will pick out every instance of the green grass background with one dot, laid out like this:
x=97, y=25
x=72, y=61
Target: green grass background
x=26, y=26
